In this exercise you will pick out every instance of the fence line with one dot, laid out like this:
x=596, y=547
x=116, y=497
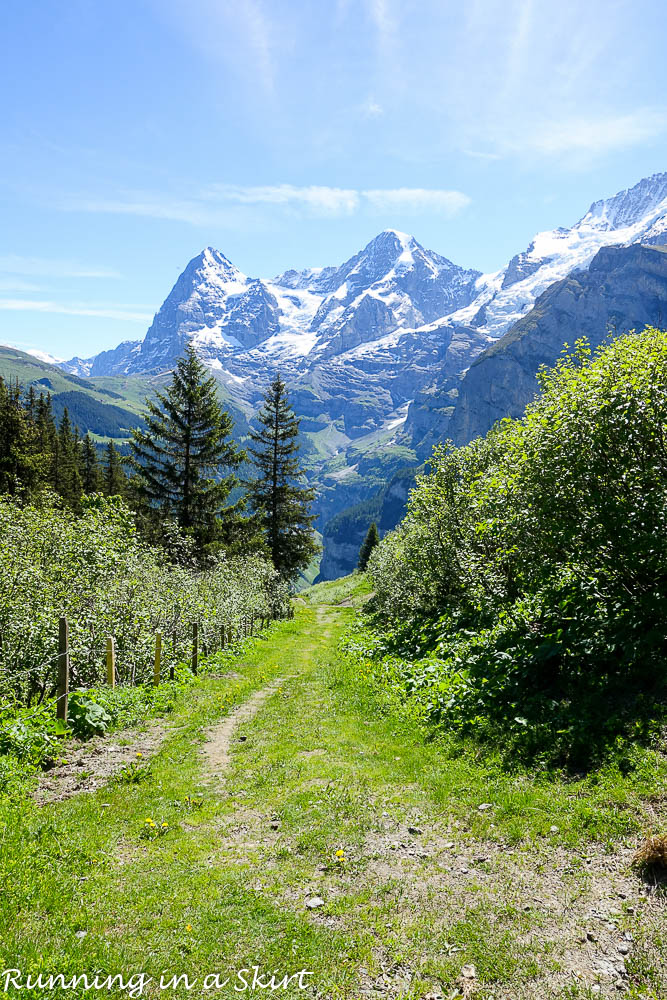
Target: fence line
x=221, y=634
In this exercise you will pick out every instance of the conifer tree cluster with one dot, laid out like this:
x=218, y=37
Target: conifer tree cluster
x=184, y=465
x=180, y=457
x=36, y=452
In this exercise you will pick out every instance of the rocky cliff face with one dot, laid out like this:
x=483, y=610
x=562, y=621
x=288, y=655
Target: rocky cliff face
x=625, y=288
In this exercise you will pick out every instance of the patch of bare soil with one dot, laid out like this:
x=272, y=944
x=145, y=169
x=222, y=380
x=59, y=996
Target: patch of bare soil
x=574, y=907
x=88, y=766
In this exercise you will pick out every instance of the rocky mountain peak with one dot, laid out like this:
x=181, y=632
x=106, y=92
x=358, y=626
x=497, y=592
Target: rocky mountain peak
x=629, y=207
x=212, y=267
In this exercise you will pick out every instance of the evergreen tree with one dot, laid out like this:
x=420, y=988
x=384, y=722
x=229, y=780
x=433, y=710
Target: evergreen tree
x=114, y=481
x=67, y=479
x=370, y=541
x=90, y=473
x=45, y=425
x=179, y=458
x=282, y=504
x=18, y=468
x=31, y=405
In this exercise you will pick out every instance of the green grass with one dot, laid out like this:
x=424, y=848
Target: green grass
x=326, y=765
x=354, y=588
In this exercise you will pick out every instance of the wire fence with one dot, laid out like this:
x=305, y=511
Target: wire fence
x=185, y=643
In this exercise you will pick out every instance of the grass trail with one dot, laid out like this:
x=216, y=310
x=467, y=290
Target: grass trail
x=329, y=838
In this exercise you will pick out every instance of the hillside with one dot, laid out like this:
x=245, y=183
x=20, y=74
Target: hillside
x=107, y=407
x=623, y=289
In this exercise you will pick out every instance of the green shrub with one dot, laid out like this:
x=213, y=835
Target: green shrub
x=97, y=572
x=85, y=716
x=526, y=590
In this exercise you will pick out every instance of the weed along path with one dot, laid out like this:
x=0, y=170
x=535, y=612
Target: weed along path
x=290, y=831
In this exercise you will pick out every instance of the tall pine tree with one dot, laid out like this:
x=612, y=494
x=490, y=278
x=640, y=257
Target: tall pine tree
x=18, y=466
x=66, y=476
x=114, y=481
x=370, y=541
x=281, y=502
x=180, y=457
x=90, y=473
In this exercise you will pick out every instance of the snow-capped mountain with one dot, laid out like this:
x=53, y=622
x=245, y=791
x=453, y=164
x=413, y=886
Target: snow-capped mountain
x=375, y=304
x=393, y=283
x=638, y=215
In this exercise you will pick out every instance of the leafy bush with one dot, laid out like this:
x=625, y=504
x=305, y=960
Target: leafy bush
x=85, y=716
x=527, y=586
x=29, y=740
x=98, y=573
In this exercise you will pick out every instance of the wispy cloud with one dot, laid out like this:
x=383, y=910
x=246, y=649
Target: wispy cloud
x=417, y=200
x=242, y=36
x=593, y=136
x=478, y=154
x=18, y=285
x=34, y=305
x=318, y=199
x=50, y=268
x=384, y=20
x=258, y=32
x=221, y=203
x=370, y=108
x=552, y=81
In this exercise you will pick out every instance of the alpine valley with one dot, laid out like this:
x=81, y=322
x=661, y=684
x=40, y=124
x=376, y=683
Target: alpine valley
x=391, y=352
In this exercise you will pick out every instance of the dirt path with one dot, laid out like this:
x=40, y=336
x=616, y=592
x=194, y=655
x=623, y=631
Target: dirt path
x=217, y=749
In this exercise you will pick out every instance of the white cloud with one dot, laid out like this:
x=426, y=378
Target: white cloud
x=477, y=154
x=243, y=37
x=382, y=18
x=319, y=199
x=417, y=200
x=224, y=203
x=28, y=305
x=593, y=136
x=259, y=39
x=371, y=109
x=48, y=268
x=17, y=285
x=193, y=212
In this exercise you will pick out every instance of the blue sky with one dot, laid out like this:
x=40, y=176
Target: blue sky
x=288, y=133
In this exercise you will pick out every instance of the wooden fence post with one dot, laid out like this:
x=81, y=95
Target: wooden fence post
x=63, y=670
x=195, y=647
x=111, y=662
x=222, y=637
x=158, y=658
x=174, y=650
